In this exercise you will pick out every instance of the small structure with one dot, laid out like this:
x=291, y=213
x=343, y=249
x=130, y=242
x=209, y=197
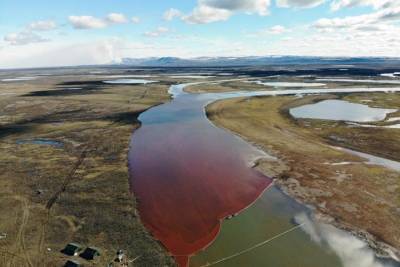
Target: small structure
x=90, y=253
x=72, y=249
x=72, y=263
x=120, y=256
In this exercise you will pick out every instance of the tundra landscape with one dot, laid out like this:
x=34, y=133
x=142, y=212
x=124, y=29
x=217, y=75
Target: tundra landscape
x=86, y=158
x=200, y=133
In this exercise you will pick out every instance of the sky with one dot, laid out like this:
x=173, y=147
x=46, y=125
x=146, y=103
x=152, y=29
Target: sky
x=40, y=33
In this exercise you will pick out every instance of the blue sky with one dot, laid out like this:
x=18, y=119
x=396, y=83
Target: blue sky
x=34, y=33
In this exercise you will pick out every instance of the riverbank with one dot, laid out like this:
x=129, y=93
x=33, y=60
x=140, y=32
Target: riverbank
x=64, y=142
x=357, y=197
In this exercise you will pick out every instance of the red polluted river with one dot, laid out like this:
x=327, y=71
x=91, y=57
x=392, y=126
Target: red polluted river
x=188, y=175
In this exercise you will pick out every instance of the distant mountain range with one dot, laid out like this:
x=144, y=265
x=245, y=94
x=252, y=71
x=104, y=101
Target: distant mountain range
x=254, y=61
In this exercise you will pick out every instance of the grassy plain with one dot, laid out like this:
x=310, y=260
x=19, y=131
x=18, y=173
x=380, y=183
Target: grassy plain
x=78, y=189
x=352, y=195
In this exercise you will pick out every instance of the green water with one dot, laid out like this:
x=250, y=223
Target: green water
x=271, y=215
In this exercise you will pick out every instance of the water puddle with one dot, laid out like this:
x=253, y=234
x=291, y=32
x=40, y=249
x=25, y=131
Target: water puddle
x=290, y=84
x=128, y=76
x=360, y=81
x=392, y=126
x=17, y=79
x=387, y=163
x=5, y=94
x=393, y=119
x=129, y=81
x=45, y=142
x=190, y=77
x=340, y=110
x=391, y=75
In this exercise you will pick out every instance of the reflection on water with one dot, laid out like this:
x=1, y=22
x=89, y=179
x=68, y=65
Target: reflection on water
x=351, y=250
x=272, y=214
x=340, y=110
x=314, y=244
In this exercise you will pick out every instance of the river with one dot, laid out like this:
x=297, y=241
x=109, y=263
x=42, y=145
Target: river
x=188, y=175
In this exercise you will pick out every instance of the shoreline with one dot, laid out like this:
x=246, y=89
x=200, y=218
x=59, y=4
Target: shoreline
x=380, y=248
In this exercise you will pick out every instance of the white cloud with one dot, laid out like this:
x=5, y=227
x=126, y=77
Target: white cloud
x=277, y=29
x=44, y=25
x=304, y=42
x=28, y=35
x=116, y=18
x=299, y=3
x=205, y=14
x=23, y=38
x=67, y=54
x=157, y=32
x=172, y=13
x=90, y=22
x=135, y=20
x=338, y=4
x=273, y=30
x=208, y=11
x=86, y=22
x=251, y=6
x=384, y=16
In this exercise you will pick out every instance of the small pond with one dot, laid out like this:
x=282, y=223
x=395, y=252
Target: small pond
x=39, y=141
x=340, y=110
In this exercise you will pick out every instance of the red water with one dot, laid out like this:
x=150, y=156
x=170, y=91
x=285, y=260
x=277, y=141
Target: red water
x=189, y=175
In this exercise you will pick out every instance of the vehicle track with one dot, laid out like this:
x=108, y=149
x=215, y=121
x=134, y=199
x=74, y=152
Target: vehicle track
x=19, y=243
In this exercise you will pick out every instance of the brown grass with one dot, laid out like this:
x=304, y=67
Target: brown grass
x=86, y=181
x=357, y=196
